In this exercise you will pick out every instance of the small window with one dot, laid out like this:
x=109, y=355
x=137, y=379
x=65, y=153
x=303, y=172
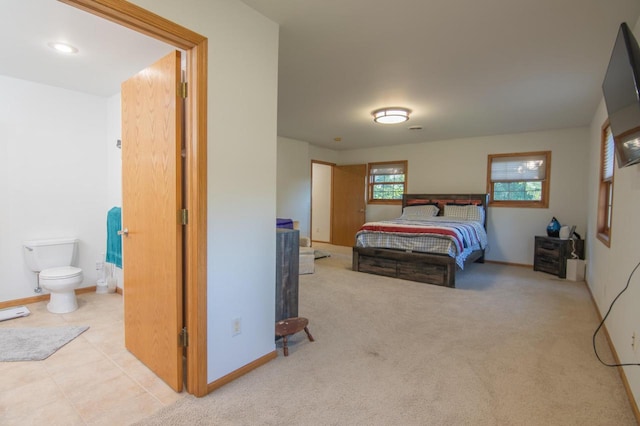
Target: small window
x=605, y=195
x=387, y=182
x=519, y=180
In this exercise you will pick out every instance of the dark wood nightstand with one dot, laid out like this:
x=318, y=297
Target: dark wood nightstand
x=551, y=254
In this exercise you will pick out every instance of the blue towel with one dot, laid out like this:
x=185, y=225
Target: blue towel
x=114, y=241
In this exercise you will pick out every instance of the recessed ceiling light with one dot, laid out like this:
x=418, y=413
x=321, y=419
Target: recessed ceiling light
x=61, y=47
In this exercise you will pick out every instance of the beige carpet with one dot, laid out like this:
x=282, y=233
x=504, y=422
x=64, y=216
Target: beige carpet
x=509, y=346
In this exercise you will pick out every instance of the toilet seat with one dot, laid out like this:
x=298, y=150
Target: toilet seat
x=60, y=273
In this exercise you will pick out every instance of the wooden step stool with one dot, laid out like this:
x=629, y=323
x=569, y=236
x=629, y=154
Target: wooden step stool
x=290, y=326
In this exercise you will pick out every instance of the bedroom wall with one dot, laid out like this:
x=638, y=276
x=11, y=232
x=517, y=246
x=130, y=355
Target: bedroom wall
x=293, y=184
x=609, y=268
x=511, y=231
x=53, y=166
x=241, y=181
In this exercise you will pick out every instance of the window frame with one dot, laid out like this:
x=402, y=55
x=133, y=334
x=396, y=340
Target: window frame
x=546, y=182
x=371, y=184
x=606, y=186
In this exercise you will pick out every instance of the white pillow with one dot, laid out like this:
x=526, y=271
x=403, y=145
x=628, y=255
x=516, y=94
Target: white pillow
x=420, y=211
x=470, y=212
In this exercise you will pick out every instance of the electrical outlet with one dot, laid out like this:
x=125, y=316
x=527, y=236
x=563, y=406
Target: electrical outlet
x=634, y=342
x=237, y=326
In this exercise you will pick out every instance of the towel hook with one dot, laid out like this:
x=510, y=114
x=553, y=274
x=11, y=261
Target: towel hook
x=124, y=232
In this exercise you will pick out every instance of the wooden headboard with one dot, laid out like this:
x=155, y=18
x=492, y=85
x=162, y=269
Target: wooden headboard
x=442, y=199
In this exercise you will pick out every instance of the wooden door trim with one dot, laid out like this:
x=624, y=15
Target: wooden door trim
x=195, y=265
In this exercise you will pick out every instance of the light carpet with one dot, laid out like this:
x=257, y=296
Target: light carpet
x=35, y=344
x=509, y=346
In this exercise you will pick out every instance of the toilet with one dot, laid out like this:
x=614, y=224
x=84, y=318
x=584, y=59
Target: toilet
x=52, y=261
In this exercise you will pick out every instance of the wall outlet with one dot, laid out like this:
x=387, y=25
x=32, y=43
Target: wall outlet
x=236, y=327
x=634, y=342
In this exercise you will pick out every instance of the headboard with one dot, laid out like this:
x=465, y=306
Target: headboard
x=442, y=199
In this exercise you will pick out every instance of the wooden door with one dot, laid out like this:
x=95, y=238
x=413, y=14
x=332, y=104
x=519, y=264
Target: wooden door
x=348, y=201
x=151, y=203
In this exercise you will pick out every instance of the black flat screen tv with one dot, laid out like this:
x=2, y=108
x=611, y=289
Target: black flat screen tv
x=620, y=90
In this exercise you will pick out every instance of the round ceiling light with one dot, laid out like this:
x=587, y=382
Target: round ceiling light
x=61, y=47
x=391, y=115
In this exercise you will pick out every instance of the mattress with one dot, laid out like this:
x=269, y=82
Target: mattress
x=456, y=238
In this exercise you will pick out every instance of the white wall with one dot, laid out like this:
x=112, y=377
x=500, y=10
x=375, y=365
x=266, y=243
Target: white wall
x=608, y=268
x=294, y=200
x=242, y=153
x=321, y=206
x=460, y=166
x=114, y=164
x=54, y=177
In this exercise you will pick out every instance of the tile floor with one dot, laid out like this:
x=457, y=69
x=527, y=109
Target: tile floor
x=93, y=380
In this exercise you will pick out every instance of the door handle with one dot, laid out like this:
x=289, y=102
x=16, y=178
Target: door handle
x=124, y=232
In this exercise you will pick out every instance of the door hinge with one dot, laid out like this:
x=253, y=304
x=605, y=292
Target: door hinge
x=183, y=338
x=184, y=216
x=183, y=89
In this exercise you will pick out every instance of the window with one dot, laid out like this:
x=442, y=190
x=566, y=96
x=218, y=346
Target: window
x=519, y=180
x=387, y=182
x=605, y=195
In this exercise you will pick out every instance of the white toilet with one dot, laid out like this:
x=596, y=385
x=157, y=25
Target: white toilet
x=52, y=260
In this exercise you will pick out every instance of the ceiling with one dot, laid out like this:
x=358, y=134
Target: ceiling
x=107, y=53
x=465, y=68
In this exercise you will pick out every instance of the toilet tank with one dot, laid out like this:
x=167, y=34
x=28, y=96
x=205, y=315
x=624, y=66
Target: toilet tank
x=43, y=254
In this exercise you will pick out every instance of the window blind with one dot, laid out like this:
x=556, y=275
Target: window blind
x=607, y=155
x=387, y=169
x=524, y=168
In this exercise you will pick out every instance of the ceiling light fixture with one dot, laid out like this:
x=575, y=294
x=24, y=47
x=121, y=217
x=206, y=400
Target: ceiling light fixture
x=391, y=115
x=63, y=47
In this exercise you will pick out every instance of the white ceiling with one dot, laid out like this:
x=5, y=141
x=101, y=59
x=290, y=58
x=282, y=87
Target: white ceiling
x=465, y=67
x=108, y=53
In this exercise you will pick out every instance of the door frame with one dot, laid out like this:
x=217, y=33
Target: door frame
x=195, y=248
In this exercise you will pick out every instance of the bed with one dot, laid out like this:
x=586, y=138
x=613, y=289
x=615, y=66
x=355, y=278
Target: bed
x=436, y=235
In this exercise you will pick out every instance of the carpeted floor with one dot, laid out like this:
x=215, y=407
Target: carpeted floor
x=509, y=346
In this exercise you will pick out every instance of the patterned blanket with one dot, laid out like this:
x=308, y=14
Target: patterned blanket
x=442, y=235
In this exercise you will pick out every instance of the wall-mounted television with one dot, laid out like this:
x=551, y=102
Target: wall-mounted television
x=620, y=90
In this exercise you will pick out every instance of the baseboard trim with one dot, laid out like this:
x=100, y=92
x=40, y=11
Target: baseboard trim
x=40, y=298
x=623, y=376
x=497, y=262
x=241, y=371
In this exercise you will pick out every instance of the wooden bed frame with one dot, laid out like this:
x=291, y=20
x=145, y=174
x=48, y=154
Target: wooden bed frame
x=428, y=268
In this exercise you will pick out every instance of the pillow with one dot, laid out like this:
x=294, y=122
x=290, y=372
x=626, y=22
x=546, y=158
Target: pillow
x=468, y=212
x=419, y=211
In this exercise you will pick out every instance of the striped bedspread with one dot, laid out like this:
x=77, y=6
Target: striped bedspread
x=441, y=235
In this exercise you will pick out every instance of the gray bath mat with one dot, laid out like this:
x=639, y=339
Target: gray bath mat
x=35, y=344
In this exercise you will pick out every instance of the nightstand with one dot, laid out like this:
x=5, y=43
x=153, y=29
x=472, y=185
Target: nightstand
x=551, y=254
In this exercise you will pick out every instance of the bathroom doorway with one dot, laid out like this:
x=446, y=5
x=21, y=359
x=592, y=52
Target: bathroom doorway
x=194, y=266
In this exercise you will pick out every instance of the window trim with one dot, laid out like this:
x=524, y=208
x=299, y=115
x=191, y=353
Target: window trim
x=605, y=190
x=546, y=182
x=370, y=184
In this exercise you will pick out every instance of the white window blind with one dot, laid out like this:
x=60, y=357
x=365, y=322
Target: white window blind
x=386, y=169
x=607, y=156
x=518, y=169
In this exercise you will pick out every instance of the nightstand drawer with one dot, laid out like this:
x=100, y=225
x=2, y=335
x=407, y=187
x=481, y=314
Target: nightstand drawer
x=547, y=264
x=550, y=254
